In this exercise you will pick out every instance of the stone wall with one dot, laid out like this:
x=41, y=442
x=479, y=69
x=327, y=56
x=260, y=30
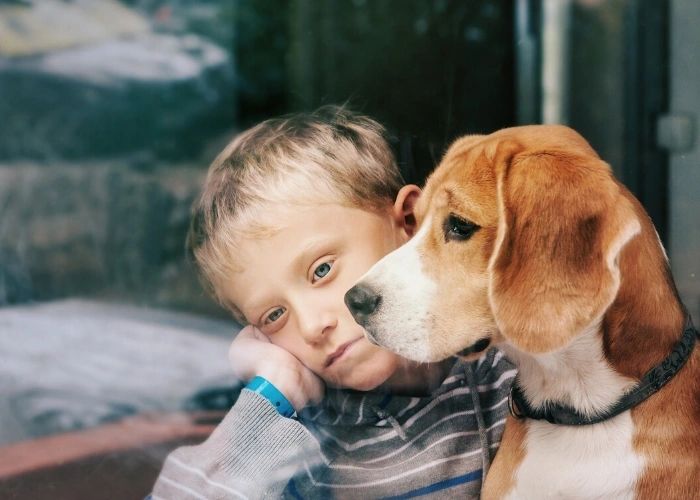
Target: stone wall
x=103, y=229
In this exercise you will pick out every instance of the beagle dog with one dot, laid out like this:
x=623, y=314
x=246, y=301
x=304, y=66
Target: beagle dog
x=528, y=242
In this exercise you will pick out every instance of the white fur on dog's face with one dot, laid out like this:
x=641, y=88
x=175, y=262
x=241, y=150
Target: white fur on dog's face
x=398, y=277
x=433, y=290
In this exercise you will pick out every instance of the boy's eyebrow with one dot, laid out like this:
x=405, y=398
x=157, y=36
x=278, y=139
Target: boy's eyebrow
x=308, y=252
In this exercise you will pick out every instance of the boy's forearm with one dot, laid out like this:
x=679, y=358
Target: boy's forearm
x=253, y=453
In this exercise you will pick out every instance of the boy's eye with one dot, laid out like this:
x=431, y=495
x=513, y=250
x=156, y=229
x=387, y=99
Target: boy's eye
x=322, y=270
x=273, y=316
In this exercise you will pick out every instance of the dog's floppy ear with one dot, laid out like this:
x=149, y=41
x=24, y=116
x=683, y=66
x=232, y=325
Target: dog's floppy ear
x=562, y=224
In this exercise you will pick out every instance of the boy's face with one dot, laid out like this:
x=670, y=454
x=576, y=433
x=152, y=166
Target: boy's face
x=293, y=284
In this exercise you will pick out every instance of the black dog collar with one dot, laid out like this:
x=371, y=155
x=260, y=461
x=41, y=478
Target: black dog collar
x=652, y=381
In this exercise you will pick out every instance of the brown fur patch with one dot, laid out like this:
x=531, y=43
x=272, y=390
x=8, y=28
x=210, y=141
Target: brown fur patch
x=668, y=436
x=501, y=477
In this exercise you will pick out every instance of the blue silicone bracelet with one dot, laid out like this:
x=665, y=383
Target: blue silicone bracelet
x=266, y=389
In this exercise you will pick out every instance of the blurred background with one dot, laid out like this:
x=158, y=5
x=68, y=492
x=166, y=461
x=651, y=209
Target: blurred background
x=111, y=111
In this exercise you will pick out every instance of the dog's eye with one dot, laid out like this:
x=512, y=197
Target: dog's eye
x=458, y=229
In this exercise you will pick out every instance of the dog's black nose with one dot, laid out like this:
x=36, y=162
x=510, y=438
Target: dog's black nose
x=362, y=302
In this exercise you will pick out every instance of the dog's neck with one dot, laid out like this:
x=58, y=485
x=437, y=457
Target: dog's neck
x=577, y=376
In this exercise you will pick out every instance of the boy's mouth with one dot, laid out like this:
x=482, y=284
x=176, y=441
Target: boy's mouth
x=339, y=352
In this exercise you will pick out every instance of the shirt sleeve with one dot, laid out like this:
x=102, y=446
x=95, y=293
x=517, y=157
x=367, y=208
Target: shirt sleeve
x=252, y=453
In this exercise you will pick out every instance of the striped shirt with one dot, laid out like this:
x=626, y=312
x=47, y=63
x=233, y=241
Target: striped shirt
x=353, y=445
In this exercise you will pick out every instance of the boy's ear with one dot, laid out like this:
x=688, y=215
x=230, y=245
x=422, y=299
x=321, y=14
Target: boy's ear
x=404, y=206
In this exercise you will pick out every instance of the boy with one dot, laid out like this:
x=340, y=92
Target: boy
x=292, y=213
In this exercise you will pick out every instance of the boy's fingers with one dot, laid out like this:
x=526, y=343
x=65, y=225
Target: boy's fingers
x=250, y=351
x=250, y=332
x=246, y=332
x=259, y=335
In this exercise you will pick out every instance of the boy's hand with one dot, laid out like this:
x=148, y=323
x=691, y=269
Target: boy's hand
x=251, y=354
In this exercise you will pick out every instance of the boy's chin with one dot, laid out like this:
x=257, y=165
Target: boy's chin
x=361, y=387
x=365, y=385
x=366, y=376
x=369, y=367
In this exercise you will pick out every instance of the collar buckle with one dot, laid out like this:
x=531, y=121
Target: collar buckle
x=513, y=406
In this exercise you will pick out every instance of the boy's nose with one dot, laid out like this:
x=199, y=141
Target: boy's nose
x=315, y=326
x=362, y=302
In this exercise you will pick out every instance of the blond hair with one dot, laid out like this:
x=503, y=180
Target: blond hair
x=329, y=156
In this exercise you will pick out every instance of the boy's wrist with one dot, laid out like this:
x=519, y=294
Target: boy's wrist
x=266, y=389
x=289, y=384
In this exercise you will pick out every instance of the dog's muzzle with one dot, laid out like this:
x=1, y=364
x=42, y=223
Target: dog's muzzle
x=362, y=302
